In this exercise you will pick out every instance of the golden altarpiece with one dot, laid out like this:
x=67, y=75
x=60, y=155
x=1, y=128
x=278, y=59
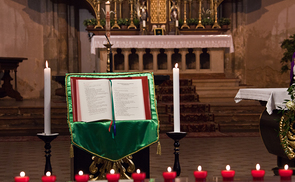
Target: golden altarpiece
x=173, y=18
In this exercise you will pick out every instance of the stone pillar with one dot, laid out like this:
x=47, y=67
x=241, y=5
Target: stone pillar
x=197, y=52
x=183, y=52
x=73, y=52
x=155, y=53
x=126, y=53
x=169, y=53
x=140, y=53
x=62, y=13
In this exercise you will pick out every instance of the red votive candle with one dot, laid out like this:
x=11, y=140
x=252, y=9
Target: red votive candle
x=228, y=175
x=138, y=176
x=285, y=173
x=200, y=175
x=170, y=175
x=257, y=174
x=48, y=177
x=22, y=177
x=80, y=177
x=112, y=176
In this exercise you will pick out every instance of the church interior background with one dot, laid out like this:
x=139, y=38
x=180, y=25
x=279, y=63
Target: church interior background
x=53, y=30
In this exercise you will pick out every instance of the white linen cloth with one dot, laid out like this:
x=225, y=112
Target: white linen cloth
x=164, y=41
x=274, y=96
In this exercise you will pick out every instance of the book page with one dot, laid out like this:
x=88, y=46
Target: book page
x=95, y=100
x=128, y=99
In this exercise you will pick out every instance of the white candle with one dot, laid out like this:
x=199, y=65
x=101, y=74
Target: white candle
x=143, y=23
x=47, y=99
x=108, y=18
x=176, y=98
x=176, y=23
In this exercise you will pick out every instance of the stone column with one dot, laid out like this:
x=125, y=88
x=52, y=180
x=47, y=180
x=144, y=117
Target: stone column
x=183, y=52
x=169, y=53
x=73, y=52
x=62, y=13
x=140, y=53
x=197, y=52
x=155, y=53
x=126, y=53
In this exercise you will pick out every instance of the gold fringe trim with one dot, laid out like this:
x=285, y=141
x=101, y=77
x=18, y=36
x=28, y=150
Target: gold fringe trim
x=71, y=151
x=159, y=152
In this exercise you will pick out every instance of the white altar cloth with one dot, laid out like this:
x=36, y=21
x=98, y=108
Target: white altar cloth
x=164, y=41
x=274, y=97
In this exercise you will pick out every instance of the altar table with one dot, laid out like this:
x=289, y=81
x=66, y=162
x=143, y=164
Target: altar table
x=164, y=41
x=7, y=64
x=273, y=96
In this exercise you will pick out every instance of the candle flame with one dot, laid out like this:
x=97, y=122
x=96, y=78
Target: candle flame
x=138, y=171
x=176, y=65
x=169, y=169
x=22, y=174
x=108, y=2
x=46, y=64
x=257, y=167
x=48, y=173
x=286, y=167
x=199, y=168
x=112, y=171
x=80, y=173
x=227, y=167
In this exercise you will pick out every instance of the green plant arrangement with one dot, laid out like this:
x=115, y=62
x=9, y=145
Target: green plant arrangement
x=289, y=46
x=123, y=21
x=207, y=21
x=192, y=21
x=180, y=23
x=286, y=126
x=102, y=22
x=112, y=22
x=90, y=22
x=224, y=21
x=136, y=22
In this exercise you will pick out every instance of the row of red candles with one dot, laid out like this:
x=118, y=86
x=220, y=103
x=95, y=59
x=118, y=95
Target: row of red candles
x=169, y=176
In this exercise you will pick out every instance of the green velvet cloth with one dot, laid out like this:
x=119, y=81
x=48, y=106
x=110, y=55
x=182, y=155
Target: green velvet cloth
x=131, y=136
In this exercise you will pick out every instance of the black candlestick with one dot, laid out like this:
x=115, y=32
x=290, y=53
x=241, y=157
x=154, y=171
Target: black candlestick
x=176, y=136
x=47, y=138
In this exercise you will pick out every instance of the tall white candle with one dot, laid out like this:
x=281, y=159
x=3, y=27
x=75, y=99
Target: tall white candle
x=176, y=23
x=47, y=99
x=143, y=23
x=176, y=98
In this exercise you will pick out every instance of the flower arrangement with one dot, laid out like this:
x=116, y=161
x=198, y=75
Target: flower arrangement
x=206, y=13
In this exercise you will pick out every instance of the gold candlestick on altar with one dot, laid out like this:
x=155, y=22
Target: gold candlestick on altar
x=189, y=9
x=120, y=8
x=109, y=57
x=98, y=25
x=200, y=16
x=115, y=12
x=131, y=16
x=216, y=25
x=184, y=16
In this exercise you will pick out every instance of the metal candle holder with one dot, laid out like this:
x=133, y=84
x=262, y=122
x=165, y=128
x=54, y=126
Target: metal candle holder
x=176, y=136
x=47, y=138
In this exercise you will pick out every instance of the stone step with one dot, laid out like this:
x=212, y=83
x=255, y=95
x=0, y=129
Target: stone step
x=191, y=127
x=225, y=82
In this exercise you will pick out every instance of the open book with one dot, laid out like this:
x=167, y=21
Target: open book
x=108, y=99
